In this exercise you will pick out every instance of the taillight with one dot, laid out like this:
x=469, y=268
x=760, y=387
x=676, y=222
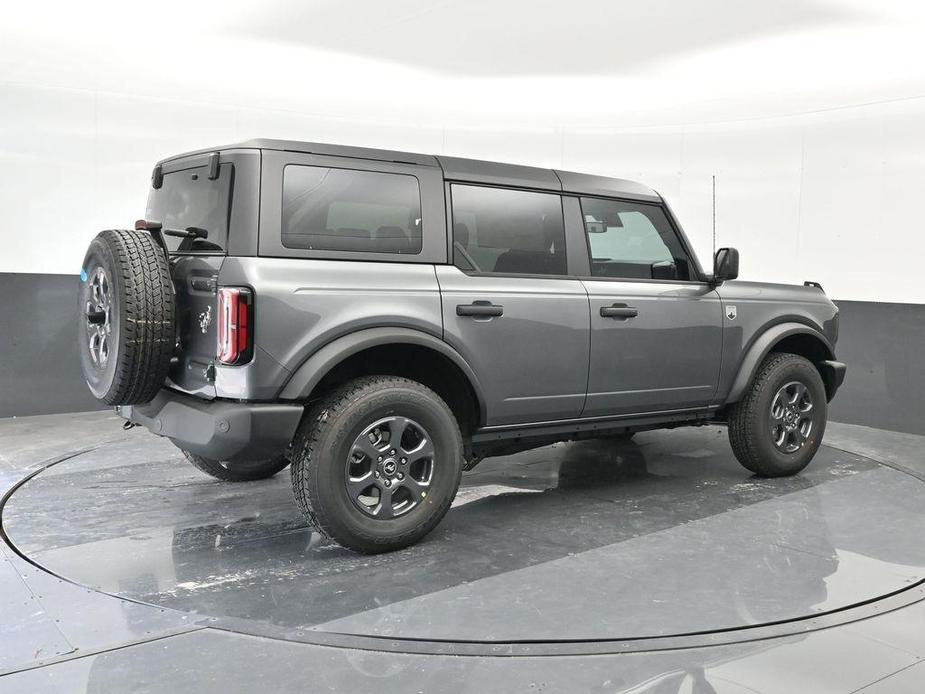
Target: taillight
x=234, y=325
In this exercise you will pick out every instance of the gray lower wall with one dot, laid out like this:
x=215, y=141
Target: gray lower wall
x=39, y=371
x=40, y=374
x=882, y=345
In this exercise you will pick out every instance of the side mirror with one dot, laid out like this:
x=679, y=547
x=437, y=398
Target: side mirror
x=726, y=265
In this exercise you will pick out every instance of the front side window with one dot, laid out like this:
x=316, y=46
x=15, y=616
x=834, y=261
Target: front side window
x=327, y=209
x=508, y=231
x=632, y=240
x=189, y=198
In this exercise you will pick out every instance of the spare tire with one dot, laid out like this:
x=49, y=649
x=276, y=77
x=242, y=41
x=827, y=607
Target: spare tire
x=126, y=323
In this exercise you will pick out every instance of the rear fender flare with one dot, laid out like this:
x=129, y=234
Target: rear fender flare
x=309, y=374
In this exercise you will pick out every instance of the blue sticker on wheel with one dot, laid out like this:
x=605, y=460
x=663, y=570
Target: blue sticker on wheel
x=83, y=275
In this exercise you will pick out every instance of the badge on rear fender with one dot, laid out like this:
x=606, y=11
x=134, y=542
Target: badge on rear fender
x=731, y=312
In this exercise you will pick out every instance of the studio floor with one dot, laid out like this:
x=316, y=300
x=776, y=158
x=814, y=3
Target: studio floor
x=651, y=565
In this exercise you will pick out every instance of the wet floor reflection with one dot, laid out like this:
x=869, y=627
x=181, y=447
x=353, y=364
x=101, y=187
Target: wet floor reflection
x=597, y=539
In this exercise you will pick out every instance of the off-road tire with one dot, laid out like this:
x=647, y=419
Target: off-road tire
x=237, y=472
x=749, y=430
x=321, y=448
x=142, y=333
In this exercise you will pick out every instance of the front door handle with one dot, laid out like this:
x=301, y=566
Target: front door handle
x=481, y=309
x=620, y=311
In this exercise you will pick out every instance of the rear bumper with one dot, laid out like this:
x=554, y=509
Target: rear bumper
x=833, y=375
x=218, y=429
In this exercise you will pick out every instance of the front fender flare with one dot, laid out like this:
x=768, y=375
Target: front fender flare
x=307, y=376
x=760, y=348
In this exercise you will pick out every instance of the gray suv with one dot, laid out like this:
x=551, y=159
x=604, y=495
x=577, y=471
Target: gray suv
x=381, y=321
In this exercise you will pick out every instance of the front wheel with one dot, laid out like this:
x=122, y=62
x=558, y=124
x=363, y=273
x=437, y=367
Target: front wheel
x=376, y=463
x=777, y=426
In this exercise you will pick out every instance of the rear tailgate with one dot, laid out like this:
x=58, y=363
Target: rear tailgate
x=195, y=279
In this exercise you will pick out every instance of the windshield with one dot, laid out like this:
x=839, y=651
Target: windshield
x=188, y=198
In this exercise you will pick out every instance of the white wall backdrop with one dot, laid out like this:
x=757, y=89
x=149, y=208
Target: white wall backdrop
x=810, y=185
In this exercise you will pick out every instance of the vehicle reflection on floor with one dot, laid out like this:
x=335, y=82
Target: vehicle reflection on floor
x=600, y=539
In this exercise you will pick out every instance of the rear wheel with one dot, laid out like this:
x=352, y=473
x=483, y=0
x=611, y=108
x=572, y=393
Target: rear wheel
x=777, y=426
x=237, y=472
x=377, y=463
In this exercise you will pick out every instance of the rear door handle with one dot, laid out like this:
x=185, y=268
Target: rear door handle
x=482, y=309
x=621, y=311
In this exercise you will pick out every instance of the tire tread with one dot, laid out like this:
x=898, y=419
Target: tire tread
x=147, y=317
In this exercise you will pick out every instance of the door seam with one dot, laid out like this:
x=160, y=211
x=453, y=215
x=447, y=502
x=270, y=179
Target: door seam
x=584, y=404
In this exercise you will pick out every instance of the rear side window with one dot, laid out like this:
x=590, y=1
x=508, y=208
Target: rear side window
x=632, y=241
x=508, y=231
x=189, y=198
x=326, y=209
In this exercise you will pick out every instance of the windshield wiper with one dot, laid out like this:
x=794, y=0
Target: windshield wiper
x=188, y=233
x=156, y=230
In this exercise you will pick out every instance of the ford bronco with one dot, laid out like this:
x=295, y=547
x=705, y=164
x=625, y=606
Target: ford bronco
x=380, y=321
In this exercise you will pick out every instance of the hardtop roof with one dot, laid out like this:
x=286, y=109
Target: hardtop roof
x=460, y=169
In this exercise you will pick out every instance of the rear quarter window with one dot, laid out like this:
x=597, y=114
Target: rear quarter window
x=330, y=209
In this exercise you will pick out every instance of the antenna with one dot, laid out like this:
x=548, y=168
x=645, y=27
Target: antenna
x=714, y=216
